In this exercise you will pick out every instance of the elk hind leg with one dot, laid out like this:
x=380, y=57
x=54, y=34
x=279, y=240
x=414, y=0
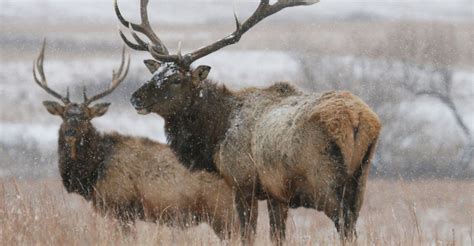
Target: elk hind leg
x=352, y=196
x=247, y=209
x=278, y=213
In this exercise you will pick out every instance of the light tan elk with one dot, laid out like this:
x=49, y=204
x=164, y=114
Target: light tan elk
x=132, y=178
x=278, y=144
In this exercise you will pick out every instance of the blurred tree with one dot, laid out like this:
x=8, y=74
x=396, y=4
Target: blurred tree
x=427, y=57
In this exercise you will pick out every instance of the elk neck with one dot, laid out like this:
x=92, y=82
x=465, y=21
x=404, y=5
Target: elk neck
x=194, y=132
x=80, y=174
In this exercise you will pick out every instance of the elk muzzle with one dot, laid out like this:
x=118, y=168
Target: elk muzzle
x=71, y=143
x=70, y=138
x=138, y=102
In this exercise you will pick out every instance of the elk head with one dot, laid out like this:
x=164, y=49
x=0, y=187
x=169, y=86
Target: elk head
x=173, y=81
x=76, y=116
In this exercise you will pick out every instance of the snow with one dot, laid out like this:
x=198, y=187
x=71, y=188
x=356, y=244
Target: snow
x=236, y=69
x=41, y=135
x=253, y=70
x=165, y=71
x=23, y=120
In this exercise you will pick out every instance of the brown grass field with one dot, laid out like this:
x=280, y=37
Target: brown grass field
x=426, y=212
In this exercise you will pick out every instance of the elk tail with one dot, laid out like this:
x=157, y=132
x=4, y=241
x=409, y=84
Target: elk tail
x=365, y=140
x=350, y=124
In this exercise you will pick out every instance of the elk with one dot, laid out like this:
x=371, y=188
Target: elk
x=276, y=144
x=130, y=178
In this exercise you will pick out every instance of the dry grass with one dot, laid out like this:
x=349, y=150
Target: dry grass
x=431, y=212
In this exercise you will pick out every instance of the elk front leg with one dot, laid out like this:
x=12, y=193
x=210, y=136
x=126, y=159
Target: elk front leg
x=278, y=213
x=247, y=209
x=126, y=214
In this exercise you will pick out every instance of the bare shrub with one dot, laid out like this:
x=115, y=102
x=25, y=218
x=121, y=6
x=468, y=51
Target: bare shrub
x=427, y=57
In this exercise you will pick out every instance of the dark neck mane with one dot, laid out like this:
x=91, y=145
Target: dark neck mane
x=194, y=133
x=81, y=174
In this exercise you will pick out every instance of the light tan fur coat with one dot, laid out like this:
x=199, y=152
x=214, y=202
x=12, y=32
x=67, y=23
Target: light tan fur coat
x=144, y=178
x=294, y=144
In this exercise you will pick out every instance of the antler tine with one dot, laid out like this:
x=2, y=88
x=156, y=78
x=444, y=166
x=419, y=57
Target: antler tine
x=131, y=44
x=161, y=57
x=263, y=10
x=145, y=28
x=42, y=82
x=142, y=45
x=122, y=19
x=180, y=55
x=84, y=93
x=117, y=78
x=237, y=22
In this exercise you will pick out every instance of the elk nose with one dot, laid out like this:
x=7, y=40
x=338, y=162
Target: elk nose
x=70, y=132
x=136, y=101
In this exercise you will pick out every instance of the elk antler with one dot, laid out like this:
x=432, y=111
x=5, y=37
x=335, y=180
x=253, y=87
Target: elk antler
x=117, y=78
x=156, y=48
x=43, y=83
x=263, y=10
x=159, y=51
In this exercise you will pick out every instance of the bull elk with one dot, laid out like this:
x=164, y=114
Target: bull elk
x=276, y=144
x=131, y=178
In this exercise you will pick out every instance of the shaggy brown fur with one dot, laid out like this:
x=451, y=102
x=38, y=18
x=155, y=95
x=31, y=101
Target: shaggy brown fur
x=131, y=178
x=135, y=178
x=303, y=150
x=275, y=143
x=196, y=151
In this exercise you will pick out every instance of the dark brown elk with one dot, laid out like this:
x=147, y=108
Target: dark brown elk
x=279, y=144
x=132, y=178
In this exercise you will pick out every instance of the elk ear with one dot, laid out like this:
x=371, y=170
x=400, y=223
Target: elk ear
x=152, y=65
x=99, y=109
x=201, y=72
x=54, y=108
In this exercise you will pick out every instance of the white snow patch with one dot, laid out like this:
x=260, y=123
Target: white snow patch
x=40, y=135
x=260, y=68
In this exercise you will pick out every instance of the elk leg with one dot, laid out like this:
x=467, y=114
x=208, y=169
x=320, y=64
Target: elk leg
x=222, y=226
x=126, y=214
x=350, y=197
x=278, y=212
x=360, y=179
x=247, y=209
x=126, y=225
x=355, y=196
x=341, y=213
